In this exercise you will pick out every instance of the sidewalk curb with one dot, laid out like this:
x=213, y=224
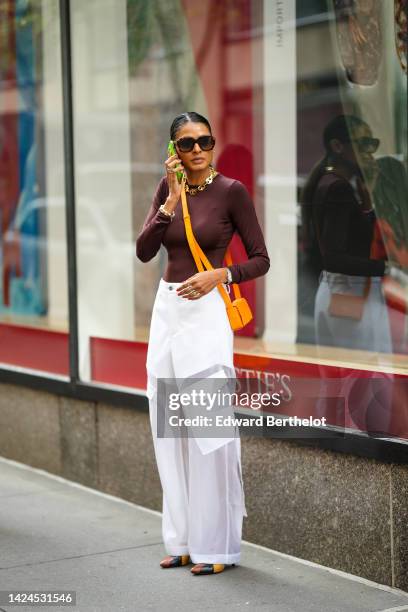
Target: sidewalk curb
x=336, y=572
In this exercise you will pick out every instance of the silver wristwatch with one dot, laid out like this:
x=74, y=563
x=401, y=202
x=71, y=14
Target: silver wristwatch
x=166, y=212
x=229, y=276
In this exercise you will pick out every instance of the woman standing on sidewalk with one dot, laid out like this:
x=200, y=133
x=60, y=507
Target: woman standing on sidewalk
x=190, y=335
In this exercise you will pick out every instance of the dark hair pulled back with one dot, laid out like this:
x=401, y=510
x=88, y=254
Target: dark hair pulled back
x=340, y=128
x=180, y=120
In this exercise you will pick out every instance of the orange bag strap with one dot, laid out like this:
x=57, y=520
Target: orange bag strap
x=198, y=254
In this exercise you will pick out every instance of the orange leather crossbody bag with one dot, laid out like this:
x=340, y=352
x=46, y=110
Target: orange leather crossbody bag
x=238, y=310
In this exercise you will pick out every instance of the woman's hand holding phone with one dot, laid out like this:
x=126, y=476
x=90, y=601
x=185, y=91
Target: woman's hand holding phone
x=173, y=166
x=174, y=169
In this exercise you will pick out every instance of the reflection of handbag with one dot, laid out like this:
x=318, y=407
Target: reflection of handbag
x=238, y=310
x=395, y=294
x=349, y=306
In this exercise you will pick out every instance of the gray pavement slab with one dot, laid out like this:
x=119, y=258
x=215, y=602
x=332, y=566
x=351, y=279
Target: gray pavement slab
x=57, y=535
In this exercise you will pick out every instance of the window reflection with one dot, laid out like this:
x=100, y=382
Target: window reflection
x=361, y=72
x=33, y=270
x=352, y=161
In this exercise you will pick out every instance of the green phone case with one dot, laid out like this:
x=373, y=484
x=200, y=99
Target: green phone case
x=171, y=150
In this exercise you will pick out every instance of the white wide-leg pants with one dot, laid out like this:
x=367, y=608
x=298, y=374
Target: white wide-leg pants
x=203, y=495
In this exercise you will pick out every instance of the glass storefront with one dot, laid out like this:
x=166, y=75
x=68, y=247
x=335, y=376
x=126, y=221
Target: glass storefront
x=33, y=249
x=294, y=91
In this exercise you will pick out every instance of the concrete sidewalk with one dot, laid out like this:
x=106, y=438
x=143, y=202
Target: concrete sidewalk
x=57, y=535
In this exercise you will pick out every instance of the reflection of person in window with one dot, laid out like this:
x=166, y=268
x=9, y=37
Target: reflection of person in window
x=345, y=226
x=340, y=189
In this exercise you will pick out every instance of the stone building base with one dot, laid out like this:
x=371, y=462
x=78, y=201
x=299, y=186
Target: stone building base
x=338, y=510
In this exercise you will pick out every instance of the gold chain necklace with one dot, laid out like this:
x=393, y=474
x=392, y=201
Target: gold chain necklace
x=194, y=190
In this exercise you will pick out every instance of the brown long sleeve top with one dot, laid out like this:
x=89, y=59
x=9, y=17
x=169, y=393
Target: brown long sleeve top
x=223, y=207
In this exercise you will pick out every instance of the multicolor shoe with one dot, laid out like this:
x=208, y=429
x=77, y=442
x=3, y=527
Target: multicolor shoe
x=174, y=561
x=208, y=568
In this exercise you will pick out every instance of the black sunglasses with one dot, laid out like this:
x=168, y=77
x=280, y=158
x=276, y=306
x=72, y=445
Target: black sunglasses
x=186, y=144
x=366, y=144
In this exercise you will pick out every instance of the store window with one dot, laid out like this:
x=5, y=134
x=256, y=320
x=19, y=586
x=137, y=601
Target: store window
x=135, y=66
x=308, y=104
x=33, y=260
x=275, y=80
x=352, y=125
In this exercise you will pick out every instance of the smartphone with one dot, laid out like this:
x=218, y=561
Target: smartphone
x=171, y=150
